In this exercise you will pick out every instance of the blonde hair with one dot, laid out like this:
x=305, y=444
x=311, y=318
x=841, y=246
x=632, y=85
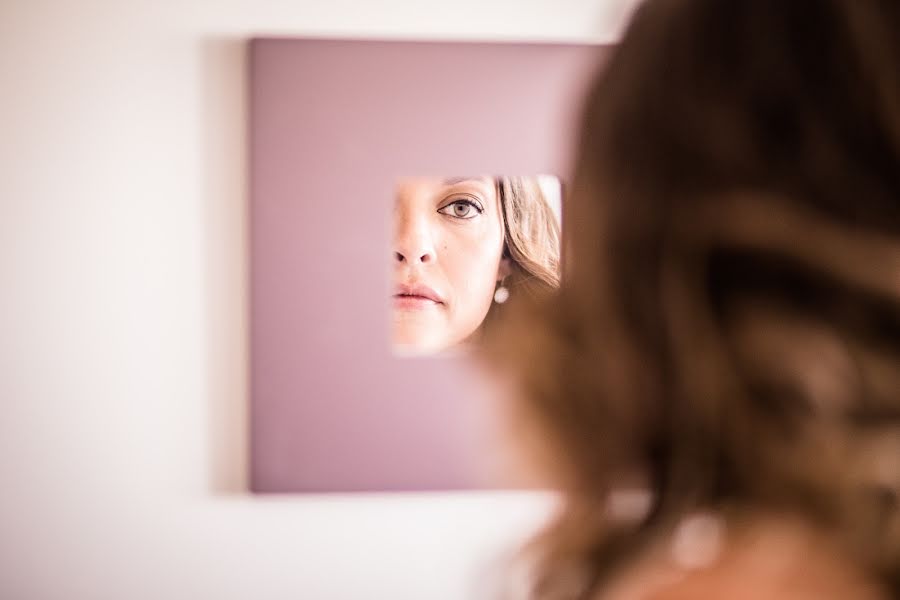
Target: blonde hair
x=531, y=236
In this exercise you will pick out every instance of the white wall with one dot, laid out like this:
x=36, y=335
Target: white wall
x=123, y=314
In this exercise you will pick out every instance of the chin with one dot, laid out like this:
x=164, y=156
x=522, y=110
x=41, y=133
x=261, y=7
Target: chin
x=408, y=341
x=417, y=348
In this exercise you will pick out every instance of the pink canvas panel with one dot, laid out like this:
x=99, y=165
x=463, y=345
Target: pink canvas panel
x=333, y=126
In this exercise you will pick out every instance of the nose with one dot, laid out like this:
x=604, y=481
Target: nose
x=413, y=243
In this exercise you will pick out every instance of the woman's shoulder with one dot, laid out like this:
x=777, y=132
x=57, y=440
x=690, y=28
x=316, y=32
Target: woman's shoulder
x=766, y=560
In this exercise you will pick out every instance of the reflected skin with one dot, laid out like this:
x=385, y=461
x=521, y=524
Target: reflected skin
x=448, y=246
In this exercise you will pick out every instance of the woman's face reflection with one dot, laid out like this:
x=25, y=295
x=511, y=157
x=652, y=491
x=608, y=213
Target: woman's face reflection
x=448, y=246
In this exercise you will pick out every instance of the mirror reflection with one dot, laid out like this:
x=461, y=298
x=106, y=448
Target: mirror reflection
x=462, y=246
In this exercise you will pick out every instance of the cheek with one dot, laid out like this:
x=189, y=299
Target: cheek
x=471, y=259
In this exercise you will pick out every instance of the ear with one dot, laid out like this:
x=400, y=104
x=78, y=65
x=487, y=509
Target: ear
x=505, y=268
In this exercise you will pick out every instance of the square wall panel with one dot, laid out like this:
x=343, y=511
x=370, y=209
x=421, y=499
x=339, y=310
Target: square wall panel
x=333, y=126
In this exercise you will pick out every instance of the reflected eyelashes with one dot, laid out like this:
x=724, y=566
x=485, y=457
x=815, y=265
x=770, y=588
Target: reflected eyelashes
x=462, y=208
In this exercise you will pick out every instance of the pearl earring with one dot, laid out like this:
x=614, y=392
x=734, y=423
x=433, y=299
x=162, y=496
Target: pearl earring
x=501, y=295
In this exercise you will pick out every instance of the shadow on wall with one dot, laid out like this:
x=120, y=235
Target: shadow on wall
x=223, y=133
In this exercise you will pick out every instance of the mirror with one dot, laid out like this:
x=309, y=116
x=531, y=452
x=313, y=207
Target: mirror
x=462, y=246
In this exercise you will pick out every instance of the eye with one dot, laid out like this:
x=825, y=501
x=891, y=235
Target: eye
x=461, y=209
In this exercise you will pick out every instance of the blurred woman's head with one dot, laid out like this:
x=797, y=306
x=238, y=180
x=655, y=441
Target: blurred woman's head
x=727, y=333
x=455, y=242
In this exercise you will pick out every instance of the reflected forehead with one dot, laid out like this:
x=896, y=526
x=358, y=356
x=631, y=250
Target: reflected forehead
x=478, y=180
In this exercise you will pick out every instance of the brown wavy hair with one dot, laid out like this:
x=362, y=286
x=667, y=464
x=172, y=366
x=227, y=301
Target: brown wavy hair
x=727, y=331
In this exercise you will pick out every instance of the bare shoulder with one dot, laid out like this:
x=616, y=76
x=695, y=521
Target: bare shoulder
x=740, y=585
x=771, y=562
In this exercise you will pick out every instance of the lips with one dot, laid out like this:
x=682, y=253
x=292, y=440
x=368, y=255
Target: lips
x=416, y=296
